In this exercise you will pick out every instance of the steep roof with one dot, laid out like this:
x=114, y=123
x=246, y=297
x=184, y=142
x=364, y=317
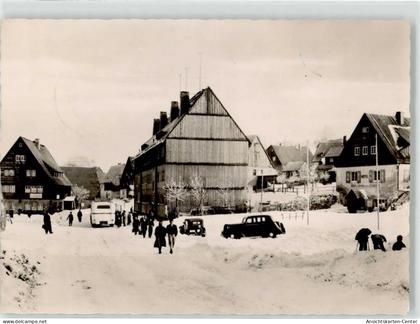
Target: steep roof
x=253, y=138
x=328, y=149
x=293, y=166
x=114, y=174
x=286, y=154
x=46, y=161
x=86, y=177
x=389, y=130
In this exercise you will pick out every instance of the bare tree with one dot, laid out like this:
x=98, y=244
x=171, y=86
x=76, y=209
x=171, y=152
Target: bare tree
x=175, y=191
x=80, y=193
x=281, y=178
x=198, y=192
x=224, y=195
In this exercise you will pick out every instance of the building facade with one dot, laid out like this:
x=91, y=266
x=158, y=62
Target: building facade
x=200, y=148
x=31, y=180
x=357, y=175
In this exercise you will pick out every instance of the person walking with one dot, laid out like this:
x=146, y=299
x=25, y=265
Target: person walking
x=124, y=220
x=79, y=215
x=136, y=225
x=160, y=234
x=70, y=219
x=151, y=225
x=399, y=245
x=47, y=223
x=143, y=226
x=129, y=218
x=378, y=241
x=172, y=232
x=362, y=238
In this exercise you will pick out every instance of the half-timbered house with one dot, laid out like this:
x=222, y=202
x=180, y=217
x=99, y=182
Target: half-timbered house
x=31, y=180
x=357, y=175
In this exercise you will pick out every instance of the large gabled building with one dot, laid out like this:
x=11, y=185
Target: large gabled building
x=31, y=180
x=357, y=175
x=200, y=141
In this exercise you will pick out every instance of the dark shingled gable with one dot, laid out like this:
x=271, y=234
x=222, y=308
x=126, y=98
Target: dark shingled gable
x=87, y=177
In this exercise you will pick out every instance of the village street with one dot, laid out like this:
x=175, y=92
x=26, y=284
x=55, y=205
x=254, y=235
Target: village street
x=109, y=270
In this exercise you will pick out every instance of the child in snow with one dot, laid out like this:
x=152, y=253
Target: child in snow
x=378, y=241
x=399, y=244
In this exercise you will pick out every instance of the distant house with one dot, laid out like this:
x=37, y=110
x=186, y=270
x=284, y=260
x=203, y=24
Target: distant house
x=111, y=185
x=31, y=180
x=288, y=160
x=260, y=169
x=199, y=145
x=357, y=177
x=127, y=179
x=89, y=178
x=326, y=155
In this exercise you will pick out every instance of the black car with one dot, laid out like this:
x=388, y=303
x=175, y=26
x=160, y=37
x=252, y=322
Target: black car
x=258, y=225
x=193, y=226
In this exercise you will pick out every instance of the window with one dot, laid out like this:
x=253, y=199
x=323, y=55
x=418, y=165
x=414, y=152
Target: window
x=34, y=189
x=20, y=158
x=356, y=150
x=27, y=189
x=254, y=172
x=31, y=173
x=365, y=129
x=39, y=189
x=353, y=176
x=365, y=150
x=9, y=173
x=373, y=150
x=375, y=176
x=9, y=188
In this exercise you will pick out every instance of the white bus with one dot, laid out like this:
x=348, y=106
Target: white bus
x=102, y=214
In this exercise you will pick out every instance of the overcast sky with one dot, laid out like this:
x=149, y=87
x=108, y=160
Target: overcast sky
x=92, y=88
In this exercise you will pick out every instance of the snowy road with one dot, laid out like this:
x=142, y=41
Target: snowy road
x=307, y=271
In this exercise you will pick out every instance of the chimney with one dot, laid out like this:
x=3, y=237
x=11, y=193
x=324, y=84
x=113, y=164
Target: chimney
x=156, y=125
x=174, y=110
x=163, y=119
x=185, y=102
x=37, y=144
x=344, y=140
x=399, y=116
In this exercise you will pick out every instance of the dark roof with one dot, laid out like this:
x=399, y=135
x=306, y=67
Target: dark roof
x=47, y=162
x=286, y=154
x=114, y=174
x=328, y=149
x=86, y=177
x=386, y=127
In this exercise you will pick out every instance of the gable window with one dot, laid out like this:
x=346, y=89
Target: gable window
x=19, y=158
x=31, y=173
x=365, y=150
x=356, y=150
x=373, y=150
x=365, y=129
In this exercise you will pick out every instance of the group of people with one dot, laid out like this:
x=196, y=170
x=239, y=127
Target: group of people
x=143, y=225
x=70, y=217
x=123, y=218
x=378, y=240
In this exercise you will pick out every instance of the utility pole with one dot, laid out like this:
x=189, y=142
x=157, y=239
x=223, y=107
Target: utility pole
x=199, y=73
x=262, y=189
x=377, y=178
x=186, y=79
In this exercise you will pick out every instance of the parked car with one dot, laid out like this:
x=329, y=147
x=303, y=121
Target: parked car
x=205, y=210
x=223, y=210
x=257, y=225
x=193, y=226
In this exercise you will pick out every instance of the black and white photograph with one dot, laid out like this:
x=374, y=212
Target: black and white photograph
x=159, y=167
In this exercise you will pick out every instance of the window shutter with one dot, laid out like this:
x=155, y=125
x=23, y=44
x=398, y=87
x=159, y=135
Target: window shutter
x=348, y=176
x=359, y=176
x=382, y=175
x=370, y=175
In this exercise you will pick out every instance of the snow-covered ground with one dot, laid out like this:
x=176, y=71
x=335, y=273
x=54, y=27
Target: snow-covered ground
x=310, y=270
